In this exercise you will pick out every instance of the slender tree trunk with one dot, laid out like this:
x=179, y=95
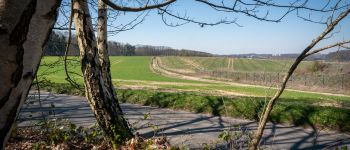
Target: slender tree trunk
x=103, y=48
x=102, y=44
x=25, y=26
x=102, y=101
x=306, y=52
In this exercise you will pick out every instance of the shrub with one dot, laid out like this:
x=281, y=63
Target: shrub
x=317, y=66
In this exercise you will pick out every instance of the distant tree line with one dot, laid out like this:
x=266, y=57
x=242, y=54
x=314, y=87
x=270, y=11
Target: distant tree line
x=57, y=43
x=342, y=55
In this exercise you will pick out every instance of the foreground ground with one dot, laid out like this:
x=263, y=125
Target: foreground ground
x=183, y=128
x=141, y=80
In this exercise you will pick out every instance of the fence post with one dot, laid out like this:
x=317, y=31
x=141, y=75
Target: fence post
x=264, y=79
x=342, y=81
x=254, y=77
x=305, y=80
x=323, y=79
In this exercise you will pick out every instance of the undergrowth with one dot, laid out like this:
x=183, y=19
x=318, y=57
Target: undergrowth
x=57, y=134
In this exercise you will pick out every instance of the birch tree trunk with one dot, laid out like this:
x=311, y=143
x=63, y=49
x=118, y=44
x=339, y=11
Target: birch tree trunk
x=102, y=101
x=102, y=48
x=25, y=26
x=102, y=44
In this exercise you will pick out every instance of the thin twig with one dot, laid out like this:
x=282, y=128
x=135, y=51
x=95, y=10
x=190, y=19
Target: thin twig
x=68, y=78
x=39, y=98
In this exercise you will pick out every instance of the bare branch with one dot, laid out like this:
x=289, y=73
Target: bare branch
x=128, y=26
x=326, y=47
x=63, y=28
x=248, y=12
x=294, y=6
x=137, y=9
x=188, y=20
x=344, y=46
x=268, y=109
x=68, y=78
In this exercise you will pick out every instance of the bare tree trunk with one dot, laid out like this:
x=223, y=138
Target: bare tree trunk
x=102, y=101
x=25, y=26
x=102, y=48
x=102, y=44
x=306, y=52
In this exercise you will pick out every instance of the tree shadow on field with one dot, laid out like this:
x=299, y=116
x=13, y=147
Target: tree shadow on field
x=296, y=118
x=291, y=111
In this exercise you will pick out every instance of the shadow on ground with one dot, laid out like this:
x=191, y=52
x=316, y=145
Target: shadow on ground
x=182, y=128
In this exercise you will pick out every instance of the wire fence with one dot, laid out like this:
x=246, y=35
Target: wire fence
x=325, y=82
x=320, y=82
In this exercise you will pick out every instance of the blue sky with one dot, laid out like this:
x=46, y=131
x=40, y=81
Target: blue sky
x=289, y=36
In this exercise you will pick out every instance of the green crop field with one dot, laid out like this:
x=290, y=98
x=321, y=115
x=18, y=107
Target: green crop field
x=137, y=68
x=236, y=64
x=244, y=64
x=131, y=71
x=122, y=68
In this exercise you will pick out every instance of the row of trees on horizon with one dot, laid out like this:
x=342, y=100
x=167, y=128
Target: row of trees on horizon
x=57, y=43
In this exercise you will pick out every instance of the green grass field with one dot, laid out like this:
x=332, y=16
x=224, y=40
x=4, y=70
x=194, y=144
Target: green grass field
x=130, y=71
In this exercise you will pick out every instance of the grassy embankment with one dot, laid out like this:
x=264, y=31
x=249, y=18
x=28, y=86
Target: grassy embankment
x=300, y=108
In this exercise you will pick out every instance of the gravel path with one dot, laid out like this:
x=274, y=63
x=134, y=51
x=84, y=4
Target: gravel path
x=182, y=128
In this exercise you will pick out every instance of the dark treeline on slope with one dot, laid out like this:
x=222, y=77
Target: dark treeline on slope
x=57, y=43
x=342, y=55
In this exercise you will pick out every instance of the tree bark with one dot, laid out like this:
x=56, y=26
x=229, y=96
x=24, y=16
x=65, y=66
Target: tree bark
x=306, y=52
x=102, y=101
x=25, y=26
x=102, y=44
x=103, y=48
